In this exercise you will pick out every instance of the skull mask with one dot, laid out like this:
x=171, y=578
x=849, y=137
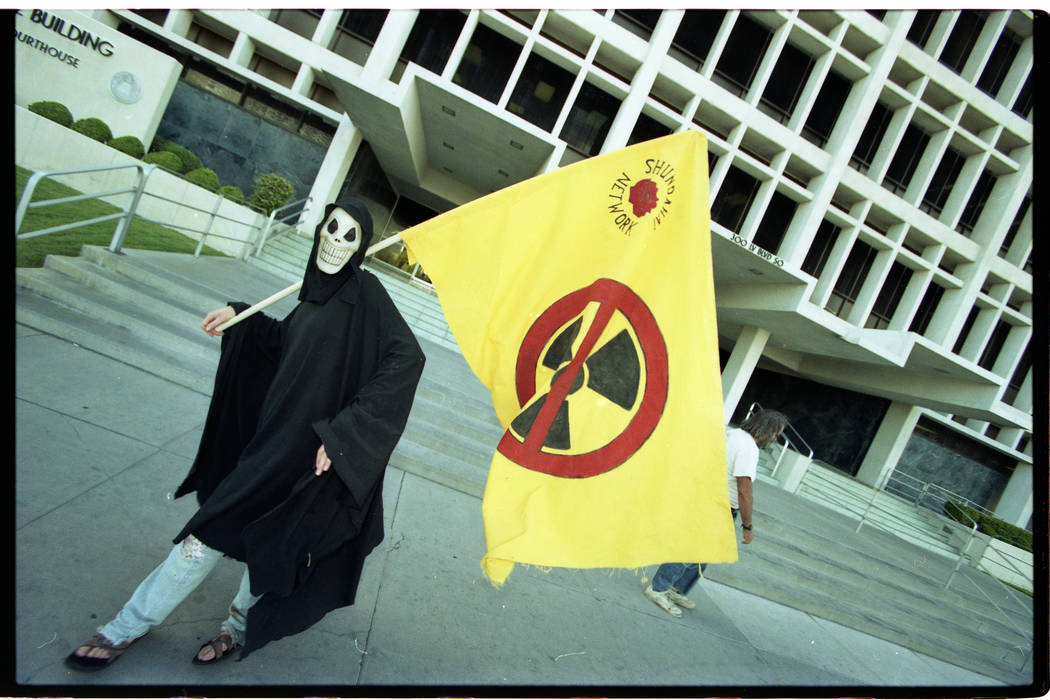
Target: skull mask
x=340, y=237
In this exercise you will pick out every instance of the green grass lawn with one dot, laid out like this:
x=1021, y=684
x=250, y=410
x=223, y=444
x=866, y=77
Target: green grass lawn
x=141, y=235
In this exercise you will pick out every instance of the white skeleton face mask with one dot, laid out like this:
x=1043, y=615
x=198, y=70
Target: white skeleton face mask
x=340, y=239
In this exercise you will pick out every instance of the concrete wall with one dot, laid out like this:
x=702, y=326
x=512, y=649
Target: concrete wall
x=41, y=144
x=92, y=69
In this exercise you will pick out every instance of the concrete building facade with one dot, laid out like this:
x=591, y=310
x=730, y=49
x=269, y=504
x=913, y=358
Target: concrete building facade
x=871, y=173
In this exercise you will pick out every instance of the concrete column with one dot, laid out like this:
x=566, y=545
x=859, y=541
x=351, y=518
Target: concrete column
x=1016, y=502
x=327, y=27
x=631, y=107
x=890, y=440
x=332, y=173
x=388, y=46
x=741, y=364
x=465, y=35
x=243, y=50
x=178, y=22
x=792, y=470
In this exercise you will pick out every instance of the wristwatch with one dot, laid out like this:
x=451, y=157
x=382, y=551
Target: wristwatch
x=745, y=527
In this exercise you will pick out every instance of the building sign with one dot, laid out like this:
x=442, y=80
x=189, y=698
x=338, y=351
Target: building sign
x=48, y=23
x=757, y=250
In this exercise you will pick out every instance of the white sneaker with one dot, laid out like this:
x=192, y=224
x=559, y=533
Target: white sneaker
x=663, y=601
x=679, y=599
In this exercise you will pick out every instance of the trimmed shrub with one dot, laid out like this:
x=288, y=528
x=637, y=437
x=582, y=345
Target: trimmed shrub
x=205, y=177
x=993, y=527
x=271, y=192
x=93, y=128
x=129, y=145
x=232, y=193
x=55, y=111
x=164, y=159
x=189, y=159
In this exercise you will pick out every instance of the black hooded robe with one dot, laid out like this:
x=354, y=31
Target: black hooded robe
x=341, y=369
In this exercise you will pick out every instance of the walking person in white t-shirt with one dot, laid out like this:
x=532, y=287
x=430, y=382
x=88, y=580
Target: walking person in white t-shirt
x=673, y=580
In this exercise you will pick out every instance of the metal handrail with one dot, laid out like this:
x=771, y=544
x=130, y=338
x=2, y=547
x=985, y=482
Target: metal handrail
x=137, y=190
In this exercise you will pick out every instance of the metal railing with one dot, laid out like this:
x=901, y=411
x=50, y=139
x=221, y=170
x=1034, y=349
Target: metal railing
x=255, y=235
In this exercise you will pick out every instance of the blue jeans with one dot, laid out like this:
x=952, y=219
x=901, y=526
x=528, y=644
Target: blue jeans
x=679, y=576
x=188, y=563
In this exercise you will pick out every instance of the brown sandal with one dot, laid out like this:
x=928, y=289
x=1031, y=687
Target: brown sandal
x=79, y=662
x=222, y=646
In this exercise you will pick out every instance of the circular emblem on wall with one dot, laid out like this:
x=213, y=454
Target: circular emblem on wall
x=596, y=352
x=126, y=87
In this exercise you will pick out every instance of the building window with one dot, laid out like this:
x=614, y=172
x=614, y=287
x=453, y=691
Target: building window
x=906, y=158
x=922, y=26
x=999, y=62
x=639, y=22
x=734, y=198
x=921, y=321
x=889, y=296
x=302, y=22
x=487, y=63
x=1011, y=233
x=209, y=40
x=877, y=14
x=820, y=248
x=978, y=198
x=775, y=222
x=943, y=181
x=965, y=332
x=1023, y=103
x=647, y=128
x=432, y=38
x=994, y=346
x=968, y=25
x=785, y=85
x=851, y=279
x=826, y=109
x=589, y=120
x=742, y=55
x=871, y=137
x=357, y=33
x=696, y=34
x=1013, y=387
x=541, y=91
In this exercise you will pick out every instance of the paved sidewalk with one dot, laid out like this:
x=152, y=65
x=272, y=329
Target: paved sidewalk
x=101, y=445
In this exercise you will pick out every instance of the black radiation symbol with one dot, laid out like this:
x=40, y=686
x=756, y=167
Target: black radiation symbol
x=629, y=363
x=613, y=372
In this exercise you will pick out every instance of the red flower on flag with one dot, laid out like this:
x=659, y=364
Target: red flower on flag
x=643, y=196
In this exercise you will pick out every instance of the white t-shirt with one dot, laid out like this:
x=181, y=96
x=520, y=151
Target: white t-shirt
x=741, y=459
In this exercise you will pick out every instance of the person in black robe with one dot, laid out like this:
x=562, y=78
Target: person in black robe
x=289, y=472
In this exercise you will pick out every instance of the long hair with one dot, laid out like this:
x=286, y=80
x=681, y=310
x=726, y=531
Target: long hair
x=764, y=426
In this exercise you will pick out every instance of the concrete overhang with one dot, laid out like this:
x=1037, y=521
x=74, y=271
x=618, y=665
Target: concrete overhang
x=439, y=144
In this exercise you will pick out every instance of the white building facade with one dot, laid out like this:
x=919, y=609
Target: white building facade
x=870, y=184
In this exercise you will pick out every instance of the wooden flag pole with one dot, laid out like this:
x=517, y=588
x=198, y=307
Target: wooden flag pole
x=291, y=289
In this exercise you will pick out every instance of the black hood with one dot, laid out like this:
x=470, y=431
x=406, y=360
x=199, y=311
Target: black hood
x=319, y=286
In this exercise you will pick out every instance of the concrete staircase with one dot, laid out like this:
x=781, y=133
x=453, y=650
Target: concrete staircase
x=143, y=308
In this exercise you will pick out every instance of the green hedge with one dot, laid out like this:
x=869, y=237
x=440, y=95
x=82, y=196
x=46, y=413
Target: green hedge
x=993, y=527
x=129, y=145
x=232, y=193
x=189, y=159
x=205, y=177
x=165, y=160
x=55, y=111
x=93, y=128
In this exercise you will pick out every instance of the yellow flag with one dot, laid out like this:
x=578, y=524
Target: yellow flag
x=584, y=300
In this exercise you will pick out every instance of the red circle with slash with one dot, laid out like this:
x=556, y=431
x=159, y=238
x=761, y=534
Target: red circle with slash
x=611, y=296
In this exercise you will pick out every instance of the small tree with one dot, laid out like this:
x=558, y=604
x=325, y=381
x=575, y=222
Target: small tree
x=271, y=191
x=129, y=145
x=93, y=128
x=55, y=111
